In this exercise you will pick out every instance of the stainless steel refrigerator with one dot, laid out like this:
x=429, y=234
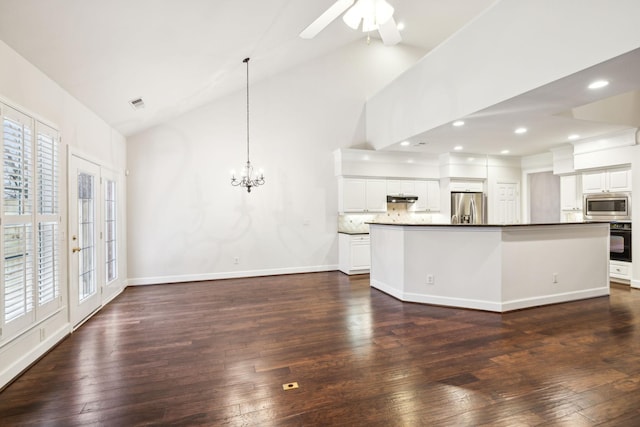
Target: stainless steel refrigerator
x=467, y=208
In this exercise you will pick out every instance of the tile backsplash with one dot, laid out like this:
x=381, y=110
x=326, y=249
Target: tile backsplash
x=396, y=212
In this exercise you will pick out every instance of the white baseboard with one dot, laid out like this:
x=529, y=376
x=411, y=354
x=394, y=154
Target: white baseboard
x=495, y=306
x=635, y=283
x=14, y=369
x=138, y=281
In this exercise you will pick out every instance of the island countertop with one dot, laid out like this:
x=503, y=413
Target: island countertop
x=490, y=267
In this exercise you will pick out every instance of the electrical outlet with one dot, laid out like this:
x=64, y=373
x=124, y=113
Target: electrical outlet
x=236, y=260
x=430, y=279
x=554, y=277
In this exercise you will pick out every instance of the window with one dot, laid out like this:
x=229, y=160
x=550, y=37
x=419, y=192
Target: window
x=29, y=241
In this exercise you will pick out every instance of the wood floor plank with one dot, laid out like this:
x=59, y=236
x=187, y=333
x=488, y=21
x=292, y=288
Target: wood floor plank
x=218, y=353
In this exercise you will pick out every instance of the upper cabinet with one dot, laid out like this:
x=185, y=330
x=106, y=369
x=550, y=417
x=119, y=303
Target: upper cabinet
x=474, y=186
x=399, y=186
x=570, y=193
x=608, y=180
x=428, y=193
x=362, y=195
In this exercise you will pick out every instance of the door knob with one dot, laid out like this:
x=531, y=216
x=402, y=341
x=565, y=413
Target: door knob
x=74, y=250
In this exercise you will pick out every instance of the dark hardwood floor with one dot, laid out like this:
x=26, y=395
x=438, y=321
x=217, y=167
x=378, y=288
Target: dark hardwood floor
x=218, y=353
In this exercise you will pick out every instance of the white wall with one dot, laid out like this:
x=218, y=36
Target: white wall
x=186, y=222
x=25, y=87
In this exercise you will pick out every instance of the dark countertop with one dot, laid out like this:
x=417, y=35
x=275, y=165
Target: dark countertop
x=484, y=225
x=354, y=233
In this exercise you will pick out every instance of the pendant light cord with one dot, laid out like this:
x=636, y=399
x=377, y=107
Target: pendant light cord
x=246, y=60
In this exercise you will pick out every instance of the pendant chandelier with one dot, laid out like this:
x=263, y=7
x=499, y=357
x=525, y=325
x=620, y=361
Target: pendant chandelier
x=247, y=179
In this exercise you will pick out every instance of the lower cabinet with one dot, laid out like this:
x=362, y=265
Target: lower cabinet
x=354, y=253
x=620, y=271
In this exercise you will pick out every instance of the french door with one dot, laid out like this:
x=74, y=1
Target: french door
x=84, y=218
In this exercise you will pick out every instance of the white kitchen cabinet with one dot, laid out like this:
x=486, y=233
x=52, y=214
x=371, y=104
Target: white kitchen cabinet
x=474, y=186
x=570, y=193
x=362, y=195
x=428, y=193
x=620, y=271
x=354, y=253
x=608, y=180
x=398, y=186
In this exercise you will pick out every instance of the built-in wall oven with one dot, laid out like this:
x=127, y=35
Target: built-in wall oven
x=620, y=241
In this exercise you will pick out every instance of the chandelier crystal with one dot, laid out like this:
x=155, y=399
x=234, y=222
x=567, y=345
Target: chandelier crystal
x=247, y=178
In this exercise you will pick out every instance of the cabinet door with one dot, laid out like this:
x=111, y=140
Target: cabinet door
x=376, y=195
x=570, y=199
x=360, y=254
x=394, y=186
x=619, y=180
x=428, y=193
x=354, y=195
x=421, y=190
x=593, y=182
x=397, y=186
x=408, y=187
x=466, y=186
x=433, y=199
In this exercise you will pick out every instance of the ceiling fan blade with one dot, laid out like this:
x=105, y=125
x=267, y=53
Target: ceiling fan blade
x=389, y=32
x=326, y=18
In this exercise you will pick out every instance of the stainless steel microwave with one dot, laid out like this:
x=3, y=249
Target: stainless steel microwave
x=607, y=206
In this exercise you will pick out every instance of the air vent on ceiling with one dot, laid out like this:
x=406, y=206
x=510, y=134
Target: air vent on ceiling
x=137, y=103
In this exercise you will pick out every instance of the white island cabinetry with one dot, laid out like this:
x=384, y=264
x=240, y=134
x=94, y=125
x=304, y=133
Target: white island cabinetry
x=490, y=267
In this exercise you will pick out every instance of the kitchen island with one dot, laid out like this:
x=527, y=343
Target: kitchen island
x=490, y=267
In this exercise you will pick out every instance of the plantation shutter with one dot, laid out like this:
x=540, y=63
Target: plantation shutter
x=47, y=218
x=17, y=220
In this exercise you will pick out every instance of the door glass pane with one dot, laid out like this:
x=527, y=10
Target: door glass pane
x=110, y=230
x=86, y=236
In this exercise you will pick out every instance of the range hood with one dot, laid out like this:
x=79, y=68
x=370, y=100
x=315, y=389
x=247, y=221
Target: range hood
x=401, y=198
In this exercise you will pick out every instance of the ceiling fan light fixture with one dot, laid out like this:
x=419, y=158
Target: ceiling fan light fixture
x=368, y=24
x=372, y=13
x=353, y=16
x=384, y=11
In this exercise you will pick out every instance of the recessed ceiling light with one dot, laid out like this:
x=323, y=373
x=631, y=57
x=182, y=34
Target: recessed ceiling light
x=598, y=84
x=520, y=130
x=365, y=158
x=458, y=147
x=405, y=143
x=573, y=137
x=401, y=26
x=458, y=123
x=410, y=161
x=504, y=152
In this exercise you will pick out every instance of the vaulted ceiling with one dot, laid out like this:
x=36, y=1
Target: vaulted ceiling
x=179, y=55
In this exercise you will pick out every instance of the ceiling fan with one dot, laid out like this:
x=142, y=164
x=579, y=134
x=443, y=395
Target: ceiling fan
x=374, y=15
